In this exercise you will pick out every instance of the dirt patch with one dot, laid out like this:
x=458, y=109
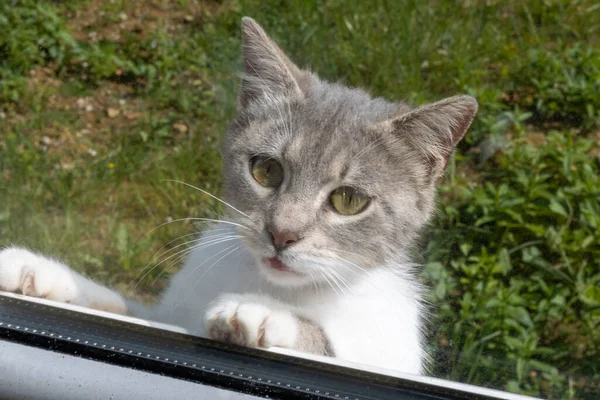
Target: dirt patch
x=112, y=20
x=73, y=128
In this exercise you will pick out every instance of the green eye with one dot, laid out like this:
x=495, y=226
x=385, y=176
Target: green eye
x=267, y=171
x=348, y=201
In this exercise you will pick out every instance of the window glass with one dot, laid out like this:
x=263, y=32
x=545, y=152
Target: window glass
x=113, y=113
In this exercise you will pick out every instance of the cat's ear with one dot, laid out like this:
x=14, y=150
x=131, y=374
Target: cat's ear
x=267, y=70
x=435, y=129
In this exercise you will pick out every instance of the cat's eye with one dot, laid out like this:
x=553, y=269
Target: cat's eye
x=348, y=201
x=266, y=171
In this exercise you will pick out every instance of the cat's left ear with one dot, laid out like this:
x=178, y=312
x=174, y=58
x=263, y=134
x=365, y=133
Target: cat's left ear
x=435, y=129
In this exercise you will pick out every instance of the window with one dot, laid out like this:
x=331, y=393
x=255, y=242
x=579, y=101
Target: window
x=112, y=115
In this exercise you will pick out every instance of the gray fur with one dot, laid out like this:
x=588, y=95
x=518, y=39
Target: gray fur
x=327, y=135
x=312, y=339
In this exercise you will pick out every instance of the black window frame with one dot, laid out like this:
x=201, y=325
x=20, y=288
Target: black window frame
x=71, y=331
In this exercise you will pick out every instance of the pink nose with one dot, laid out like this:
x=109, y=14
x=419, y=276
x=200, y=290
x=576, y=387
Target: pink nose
x=281, y=239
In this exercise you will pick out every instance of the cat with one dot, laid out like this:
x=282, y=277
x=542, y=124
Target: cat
x=328, y=190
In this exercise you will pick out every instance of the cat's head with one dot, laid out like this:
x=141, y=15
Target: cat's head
x=334, y=182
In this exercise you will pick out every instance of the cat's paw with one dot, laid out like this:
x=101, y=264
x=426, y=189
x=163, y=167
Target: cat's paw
x=245, y=321
x=24, y=272
x=30, y=274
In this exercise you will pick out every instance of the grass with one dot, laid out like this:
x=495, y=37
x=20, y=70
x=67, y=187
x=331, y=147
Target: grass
x=102, y=102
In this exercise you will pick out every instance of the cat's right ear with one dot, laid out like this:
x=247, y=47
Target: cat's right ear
x=268, y=72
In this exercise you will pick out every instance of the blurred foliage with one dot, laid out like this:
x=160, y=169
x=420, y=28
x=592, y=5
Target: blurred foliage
x=514, y=266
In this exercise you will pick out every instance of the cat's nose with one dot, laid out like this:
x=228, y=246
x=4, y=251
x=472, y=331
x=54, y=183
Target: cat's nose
x=282, y=239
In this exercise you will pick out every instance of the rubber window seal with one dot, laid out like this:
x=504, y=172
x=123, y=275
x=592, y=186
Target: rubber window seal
x=206, y=362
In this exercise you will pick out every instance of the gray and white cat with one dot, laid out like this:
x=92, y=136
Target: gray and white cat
x=328, y=189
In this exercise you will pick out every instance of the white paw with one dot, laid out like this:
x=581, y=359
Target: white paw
x=24, y=272
x=245, y=321
x=27, y=273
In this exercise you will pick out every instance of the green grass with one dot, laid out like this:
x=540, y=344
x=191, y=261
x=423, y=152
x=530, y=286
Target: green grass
x=102, y=102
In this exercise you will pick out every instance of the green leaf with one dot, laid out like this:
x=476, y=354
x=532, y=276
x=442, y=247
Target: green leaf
x=557, y=208
x=504, y=263
x=465, y=248
x=122, y=238
x=587, y=241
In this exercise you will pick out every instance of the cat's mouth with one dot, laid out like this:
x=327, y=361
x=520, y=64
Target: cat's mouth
x=276, y=264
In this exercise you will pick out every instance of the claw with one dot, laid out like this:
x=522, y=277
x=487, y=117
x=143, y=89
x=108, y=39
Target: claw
x=28, y=284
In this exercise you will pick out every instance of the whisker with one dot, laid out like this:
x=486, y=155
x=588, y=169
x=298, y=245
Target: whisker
x=205, y=239
x=320, y=271
x=339, y=280
x=174, y=240
x=188, y=251
x=194, y=219
x=200, y=245
x=314, y=282
x=165, y=269
x=326, y=275
x=350, y=264
x=213, y=196
x=206, y=260
x=154, y=256
x=347, y=261
x=215, y=263
x=207, y=270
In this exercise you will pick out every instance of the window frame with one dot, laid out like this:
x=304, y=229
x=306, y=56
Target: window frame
x=112, y=342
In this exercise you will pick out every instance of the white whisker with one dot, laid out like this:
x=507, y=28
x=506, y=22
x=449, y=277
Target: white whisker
x=206, y=260
x=213, y=196
x=195, y=219
x=208, y=269
x=154, y=256
x=314, y=282
x=346, y=264
x=202, y=244
x=165, y=269
x=341, y=279
x=324, y=276
x=327, y=273
x=347, y=261
x=178, y=259
x=203, y=240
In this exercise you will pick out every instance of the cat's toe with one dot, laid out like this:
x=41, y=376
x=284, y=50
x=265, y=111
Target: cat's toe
x=222, y=324
x=28, y=284
x=30, y=274
x=27, y=273
x=241, y=324
x=279, y=329
x=251, y=320
x=14, y=275
x=232, y=320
